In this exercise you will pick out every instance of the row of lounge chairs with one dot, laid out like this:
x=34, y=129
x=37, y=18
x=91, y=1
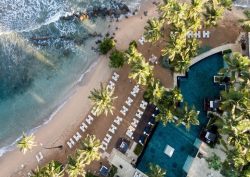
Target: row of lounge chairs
x=118, y=119
x=136, y=119
x=90, y=118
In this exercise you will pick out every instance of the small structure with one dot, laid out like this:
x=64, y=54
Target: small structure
x=104, y=171
x=210, y=137
x=169, y=151
x=122, y=145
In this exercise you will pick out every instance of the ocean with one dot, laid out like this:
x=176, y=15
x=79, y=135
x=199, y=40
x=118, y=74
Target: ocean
x=44, y=51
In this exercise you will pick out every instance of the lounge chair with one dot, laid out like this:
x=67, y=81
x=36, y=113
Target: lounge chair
x=129, y=133
x=124, y=110
x=143, y=104
x=83, y=127
x=129, y=101
x=206, y=34
x=197, y=34
x=77, y=136
x=112, y=129
x=107, y=138
x=135, y=122
x=71, y=143
x=118, y=120
x=115, y=76
x=39, y=157
x=89, y=119
x=139, y=113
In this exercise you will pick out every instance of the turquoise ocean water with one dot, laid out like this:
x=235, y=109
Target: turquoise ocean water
x=42, y=56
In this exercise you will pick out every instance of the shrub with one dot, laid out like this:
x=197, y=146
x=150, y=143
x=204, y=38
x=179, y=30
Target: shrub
x=133, y=43
x=106, y=45
x=113, y=171
x=138, y=149
x=117, y=59
x=214, y=162
x=228, y=51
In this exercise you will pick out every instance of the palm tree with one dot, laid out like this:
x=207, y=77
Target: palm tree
x=226, y=4
x=156, y=171
x=75, y=167
x=213, y=13
x=90, y=149
x=38, y=172
x=54, y=169
x=141, y=72
x=236, y=64
x=235, y=127
x=26, y=143
x=235, y=98
x=188, y=116
x=153, y=30
x=102, y=100
x=165, y=115
x=176, y=96
x=132, y=55
x=154, y=91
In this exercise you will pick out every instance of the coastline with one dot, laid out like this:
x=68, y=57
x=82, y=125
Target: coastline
x=65, y=119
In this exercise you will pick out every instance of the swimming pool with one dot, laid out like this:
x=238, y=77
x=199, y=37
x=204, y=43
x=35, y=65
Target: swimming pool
x=195, y=87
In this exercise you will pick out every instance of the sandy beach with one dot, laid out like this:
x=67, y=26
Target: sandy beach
x=68, y=119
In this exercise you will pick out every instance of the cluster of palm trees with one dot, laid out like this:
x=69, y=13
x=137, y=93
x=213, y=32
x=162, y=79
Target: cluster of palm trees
x=182, y=18
x=234, y=123
x=88, y=152
x=166, y=100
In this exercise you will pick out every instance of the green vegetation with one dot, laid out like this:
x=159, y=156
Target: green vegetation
x=138, y=149
x=153, y=30
x=89, y=150
x=183, y=17
x=188, y=116
x=75, y=166
x=76, y=163
x=102, y=100
x=112, y=171
x=141, y=71
x=154, y=92
x=213, y=12
x=226, y=4
x=228, y=51
x=245, y=23
x=26, y=143
x=156, y=171
x=106, y=45
x=133, y=43
x=234, y=123
x=117, y=59
x=52, y=169
x=214, y=162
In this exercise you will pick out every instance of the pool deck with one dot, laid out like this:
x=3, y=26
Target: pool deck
x=199, y=167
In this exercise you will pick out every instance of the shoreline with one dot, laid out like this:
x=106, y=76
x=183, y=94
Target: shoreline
x=62, y=101
x=70, y=112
